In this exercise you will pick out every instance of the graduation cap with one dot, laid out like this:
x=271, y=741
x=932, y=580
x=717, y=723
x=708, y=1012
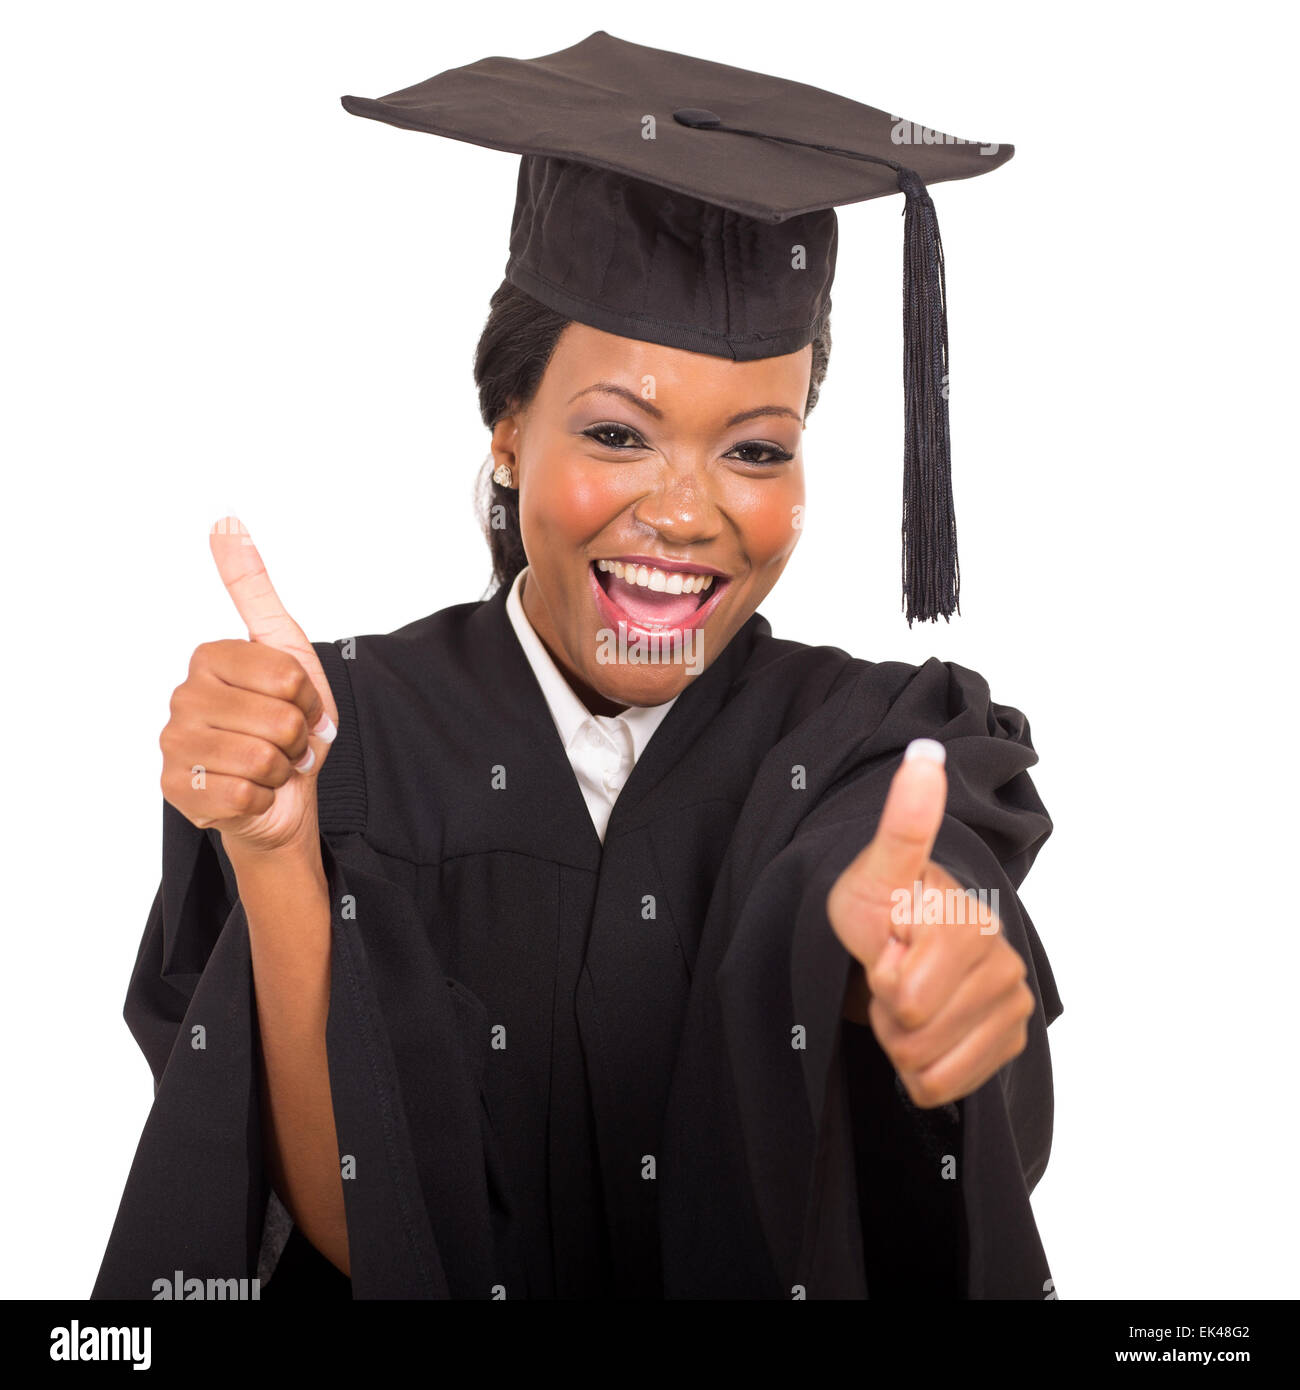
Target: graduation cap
x=689, y=203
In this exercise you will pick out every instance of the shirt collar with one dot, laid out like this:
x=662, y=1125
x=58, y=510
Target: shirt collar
x=568, y=712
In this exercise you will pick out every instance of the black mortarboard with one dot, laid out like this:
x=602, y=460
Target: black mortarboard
x=692, y=204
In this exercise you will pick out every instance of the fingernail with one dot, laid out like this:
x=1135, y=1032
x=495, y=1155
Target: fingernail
x=325, y=730
x=307, y=763
x=929, y=749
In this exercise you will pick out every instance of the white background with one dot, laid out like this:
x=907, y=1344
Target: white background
x=222, y=293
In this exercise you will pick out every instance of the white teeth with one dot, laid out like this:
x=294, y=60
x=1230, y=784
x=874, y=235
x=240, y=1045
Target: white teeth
x=660, y=581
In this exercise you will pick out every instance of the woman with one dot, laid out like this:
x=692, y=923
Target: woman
x=589, y=940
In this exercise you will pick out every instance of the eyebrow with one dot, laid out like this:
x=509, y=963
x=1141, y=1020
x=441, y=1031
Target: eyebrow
x=612, y=388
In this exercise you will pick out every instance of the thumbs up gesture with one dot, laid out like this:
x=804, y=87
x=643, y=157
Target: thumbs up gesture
x=943, y=990
x=253, y=720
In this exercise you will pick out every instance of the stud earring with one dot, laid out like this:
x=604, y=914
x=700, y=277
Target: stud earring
x=502, y=476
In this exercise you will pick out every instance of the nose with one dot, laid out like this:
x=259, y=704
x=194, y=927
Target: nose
x=682, y=508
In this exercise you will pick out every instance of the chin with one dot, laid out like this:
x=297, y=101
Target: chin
x=642, y=684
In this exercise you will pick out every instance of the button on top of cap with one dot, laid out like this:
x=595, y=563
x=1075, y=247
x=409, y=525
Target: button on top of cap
x=696, y=118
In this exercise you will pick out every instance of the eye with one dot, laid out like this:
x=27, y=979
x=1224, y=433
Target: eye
x=759, y=451
x=613, y=436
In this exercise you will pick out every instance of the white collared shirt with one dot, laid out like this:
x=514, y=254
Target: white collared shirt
x=602, y=749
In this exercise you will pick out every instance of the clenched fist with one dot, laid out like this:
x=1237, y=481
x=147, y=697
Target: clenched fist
x=945, y=995
x=253, y=720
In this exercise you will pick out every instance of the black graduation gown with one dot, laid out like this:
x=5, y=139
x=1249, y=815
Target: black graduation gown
x=561, y=1069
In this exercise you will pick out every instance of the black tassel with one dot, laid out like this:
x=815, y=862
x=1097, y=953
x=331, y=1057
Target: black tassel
x=931, y=576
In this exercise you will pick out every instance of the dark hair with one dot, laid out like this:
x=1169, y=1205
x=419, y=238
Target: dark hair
x=516, y=344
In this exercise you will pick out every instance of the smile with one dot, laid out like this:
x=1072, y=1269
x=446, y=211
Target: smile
x=655, y=599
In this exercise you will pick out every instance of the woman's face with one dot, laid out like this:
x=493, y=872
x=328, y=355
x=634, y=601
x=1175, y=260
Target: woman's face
x=660, y=496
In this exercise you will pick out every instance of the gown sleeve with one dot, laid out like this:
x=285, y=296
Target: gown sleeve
x=198, y=1194
x=768, y=1049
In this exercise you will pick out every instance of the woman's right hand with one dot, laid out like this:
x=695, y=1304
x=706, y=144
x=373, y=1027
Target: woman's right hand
x=252, y=722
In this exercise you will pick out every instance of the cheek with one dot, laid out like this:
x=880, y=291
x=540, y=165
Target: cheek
x=769, y=517
x=568, y=498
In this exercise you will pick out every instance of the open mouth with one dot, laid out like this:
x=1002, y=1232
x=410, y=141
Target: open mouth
x=655, y=599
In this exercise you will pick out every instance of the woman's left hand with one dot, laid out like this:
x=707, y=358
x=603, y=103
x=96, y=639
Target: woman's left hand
x=943, y=990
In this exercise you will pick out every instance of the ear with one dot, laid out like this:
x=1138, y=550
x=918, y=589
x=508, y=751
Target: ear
x=505, y=445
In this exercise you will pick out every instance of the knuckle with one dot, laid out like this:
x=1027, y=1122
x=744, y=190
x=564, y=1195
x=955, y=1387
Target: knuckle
x=204, y=656
x=177, y=794
x=183, y=700
x=288, y=677
x=290, y=726
x=177, y=791
x=276, y=777
x=263, y=760
x=882, y=996
x=1015, y=1043
x=924, y=1091
x=908, y=1009
x=1012, y=968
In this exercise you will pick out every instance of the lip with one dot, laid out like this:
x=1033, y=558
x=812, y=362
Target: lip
x=612, y=616
x=662, y=562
